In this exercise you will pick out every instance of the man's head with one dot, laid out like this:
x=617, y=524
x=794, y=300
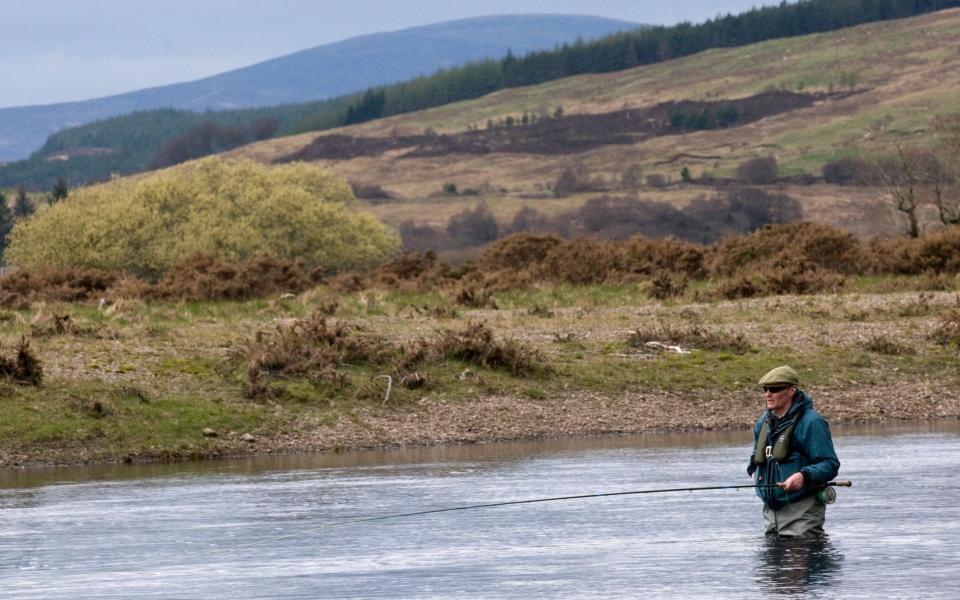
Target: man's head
x=779, y=385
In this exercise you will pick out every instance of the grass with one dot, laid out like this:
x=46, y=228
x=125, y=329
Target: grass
x=172, y=370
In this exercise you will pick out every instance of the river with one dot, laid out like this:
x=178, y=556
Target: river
x=268, y=527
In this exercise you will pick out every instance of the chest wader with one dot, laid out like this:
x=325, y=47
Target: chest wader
x=774, y=453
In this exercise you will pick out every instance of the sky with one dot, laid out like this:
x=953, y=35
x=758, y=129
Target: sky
x=65, y=50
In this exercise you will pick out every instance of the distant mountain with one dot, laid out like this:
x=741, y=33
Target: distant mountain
x=321, y=72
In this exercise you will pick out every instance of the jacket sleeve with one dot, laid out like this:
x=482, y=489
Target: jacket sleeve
x=756, y=433
x=818, y=446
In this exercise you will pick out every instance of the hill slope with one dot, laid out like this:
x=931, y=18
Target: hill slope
x=320, y=72
x=888, y=80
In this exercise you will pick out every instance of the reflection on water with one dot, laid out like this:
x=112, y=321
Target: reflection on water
x=802, y=567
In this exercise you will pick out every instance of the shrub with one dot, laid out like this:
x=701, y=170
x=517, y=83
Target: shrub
x=582, y=261
x=313, y=348
x=657, y=180
x=423, y=238
x=617, y=217
x=791, y=277
x=227, y=210
x=649, y=257
x=895, y=255
x=517, y=252
x=205, y=278
x=760, y=171
x=473, y=295
x=22, y=286
x=569, y=182
x=370, y=191
x=632, y=177
x=24, y=367
x=531, y=220
x=940, y=251
x=947, y=331
x=53, y=324
x=846, y=171
x=664, y=285
x=796, y=276
x=473, y=227
x=937, y=252
x=409, y=266
x=693, y=337
x=743, y=210
x=881, y=344
x=317, y=349
x=738, y=286
x=692, y=121
x=818, y=245
x=476, y=344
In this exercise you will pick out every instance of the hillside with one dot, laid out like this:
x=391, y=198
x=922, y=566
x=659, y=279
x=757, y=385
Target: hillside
x=320, y=72
x=868, y=87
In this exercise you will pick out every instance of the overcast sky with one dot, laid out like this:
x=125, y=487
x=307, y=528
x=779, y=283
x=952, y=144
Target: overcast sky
x=63, y=50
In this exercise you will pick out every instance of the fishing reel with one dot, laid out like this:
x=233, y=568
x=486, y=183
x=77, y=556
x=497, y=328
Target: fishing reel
x=827, y=495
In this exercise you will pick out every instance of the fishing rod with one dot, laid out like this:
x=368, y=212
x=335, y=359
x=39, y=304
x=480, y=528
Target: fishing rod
x=825, y=486
x=838, y=483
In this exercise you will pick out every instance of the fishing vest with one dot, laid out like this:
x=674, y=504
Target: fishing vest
x=781, y=446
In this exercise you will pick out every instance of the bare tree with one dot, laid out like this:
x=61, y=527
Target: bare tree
x=902, y=177
x=945, y=192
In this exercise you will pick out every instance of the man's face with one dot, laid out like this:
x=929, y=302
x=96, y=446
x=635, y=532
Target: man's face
x=778, y=398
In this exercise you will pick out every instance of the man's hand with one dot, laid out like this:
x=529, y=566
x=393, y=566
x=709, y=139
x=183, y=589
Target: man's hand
x=793, y=483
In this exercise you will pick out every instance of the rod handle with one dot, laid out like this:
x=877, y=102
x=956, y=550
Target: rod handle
x=841, y=483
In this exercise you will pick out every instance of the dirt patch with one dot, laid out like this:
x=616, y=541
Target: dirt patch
x=570, y=134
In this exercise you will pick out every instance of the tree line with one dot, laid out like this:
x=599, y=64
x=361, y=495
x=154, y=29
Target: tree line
x=144, y=140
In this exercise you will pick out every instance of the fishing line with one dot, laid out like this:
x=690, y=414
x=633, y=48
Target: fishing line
x=302, y=532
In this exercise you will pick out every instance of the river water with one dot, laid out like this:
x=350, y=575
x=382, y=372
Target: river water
x=268, y=528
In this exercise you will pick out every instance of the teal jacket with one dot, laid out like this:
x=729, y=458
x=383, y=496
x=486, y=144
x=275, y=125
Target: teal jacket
x=810, y=452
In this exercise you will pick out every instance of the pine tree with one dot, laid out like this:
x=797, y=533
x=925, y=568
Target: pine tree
x=6, y=222
x=59, y=191
x=22, y=207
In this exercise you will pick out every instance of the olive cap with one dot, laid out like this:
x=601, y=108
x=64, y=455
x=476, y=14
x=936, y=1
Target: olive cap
x=780, y=375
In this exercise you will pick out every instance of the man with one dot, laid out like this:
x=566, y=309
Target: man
x=793, y=450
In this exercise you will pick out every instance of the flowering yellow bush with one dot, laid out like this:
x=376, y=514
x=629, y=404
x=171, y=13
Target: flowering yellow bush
x=227, y=210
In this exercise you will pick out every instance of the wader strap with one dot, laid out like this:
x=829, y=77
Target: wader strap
x=763, y=452
x=760, y=449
